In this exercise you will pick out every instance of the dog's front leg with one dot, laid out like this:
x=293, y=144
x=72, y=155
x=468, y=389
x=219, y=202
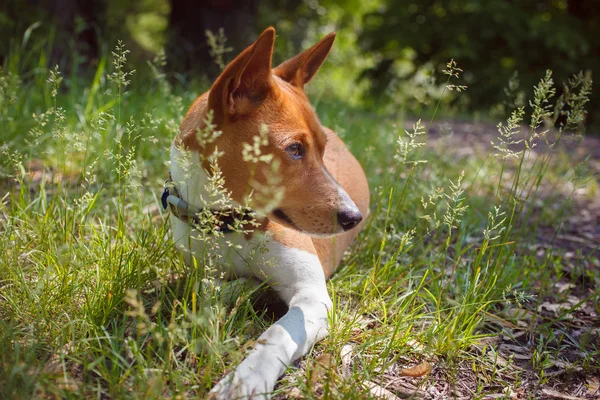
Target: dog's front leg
x=302, y=286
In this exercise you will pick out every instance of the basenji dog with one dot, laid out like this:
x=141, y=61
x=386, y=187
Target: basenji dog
x=325, y=197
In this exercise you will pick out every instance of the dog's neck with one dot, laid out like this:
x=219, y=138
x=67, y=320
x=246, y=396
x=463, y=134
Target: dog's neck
x=192, y=182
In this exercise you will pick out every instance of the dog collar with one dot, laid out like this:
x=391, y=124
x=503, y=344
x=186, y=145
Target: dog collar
x=223, y=219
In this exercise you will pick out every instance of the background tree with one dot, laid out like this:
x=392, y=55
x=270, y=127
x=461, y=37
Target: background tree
x=490, y=39
x=383, y=46
x=187, y=47
x=71, y=27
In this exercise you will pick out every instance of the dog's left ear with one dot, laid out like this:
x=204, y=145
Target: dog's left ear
x=247, y=78
x=299, y=70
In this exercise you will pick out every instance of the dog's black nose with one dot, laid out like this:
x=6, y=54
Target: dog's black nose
x=349, y=218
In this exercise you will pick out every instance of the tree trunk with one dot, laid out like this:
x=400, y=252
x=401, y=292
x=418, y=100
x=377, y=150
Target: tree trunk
x=187, y=47
x=78, y=25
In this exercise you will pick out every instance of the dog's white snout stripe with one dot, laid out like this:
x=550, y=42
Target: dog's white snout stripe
x=345, y=202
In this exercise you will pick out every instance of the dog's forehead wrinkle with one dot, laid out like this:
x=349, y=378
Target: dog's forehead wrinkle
x=286, y=86
x=290, y=95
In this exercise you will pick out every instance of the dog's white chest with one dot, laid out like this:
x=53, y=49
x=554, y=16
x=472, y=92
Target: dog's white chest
x=237, y=254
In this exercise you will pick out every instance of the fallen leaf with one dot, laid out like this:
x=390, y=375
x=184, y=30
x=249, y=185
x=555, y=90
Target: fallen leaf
x=380, y=392
x=565, y=365
x=346, y=357
x=415, y=345
x=487, y=340
x=515, y=336
x=406, y=389
x=498, y=359
x=484, y=342
x=321, y=367
x=514, y=348
x=593, y=385
x=419, y=370
x=517, y=352
x=519, y=313
x=561, y=286
x=554, y=307
x=294, y=393
x=551, y=393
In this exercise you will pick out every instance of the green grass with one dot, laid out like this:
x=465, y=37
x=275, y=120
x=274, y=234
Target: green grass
x=95, y=301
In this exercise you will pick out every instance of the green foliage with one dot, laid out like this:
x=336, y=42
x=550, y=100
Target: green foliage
x=490, y=38
x=391, y=51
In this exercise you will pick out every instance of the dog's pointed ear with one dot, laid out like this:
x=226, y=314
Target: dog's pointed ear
x=247, y=77
x=299, y=70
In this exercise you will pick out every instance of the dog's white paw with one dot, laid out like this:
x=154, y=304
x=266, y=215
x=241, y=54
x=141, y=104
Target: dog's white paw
x=234, y=386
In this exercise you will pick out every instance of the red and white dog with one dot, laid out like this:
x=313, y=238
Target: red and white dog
x=325, y=196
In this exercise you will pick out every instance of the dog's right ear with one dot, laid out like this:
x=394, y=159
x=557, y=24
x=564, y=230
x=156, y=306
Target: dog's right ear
x=246, y=79
x=299, y=70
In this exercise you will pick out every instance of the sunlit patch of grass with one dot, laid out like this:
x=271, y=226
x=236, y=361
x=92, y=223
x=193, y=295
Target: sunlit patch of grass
x=95, y=301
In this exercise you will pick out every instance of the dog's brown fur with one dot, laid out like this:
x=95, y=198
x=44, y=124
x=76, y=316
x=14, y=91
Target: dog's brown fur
x=249, y=94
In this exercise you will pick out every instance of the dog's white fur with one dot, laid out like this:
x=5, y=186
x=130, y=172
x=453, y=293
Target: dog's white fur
x=295, y=274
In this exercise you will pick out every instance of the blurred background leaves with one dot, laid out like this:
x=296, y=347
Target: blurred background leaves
x=386, y=56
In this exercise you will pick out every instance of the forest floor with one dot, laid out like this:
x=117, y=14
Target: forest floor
x=581, y=230
x=578, y=243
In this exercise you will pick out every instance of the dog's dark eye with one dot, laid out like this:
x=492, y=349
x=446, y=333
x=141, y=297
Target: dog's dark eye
x=296, y=150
